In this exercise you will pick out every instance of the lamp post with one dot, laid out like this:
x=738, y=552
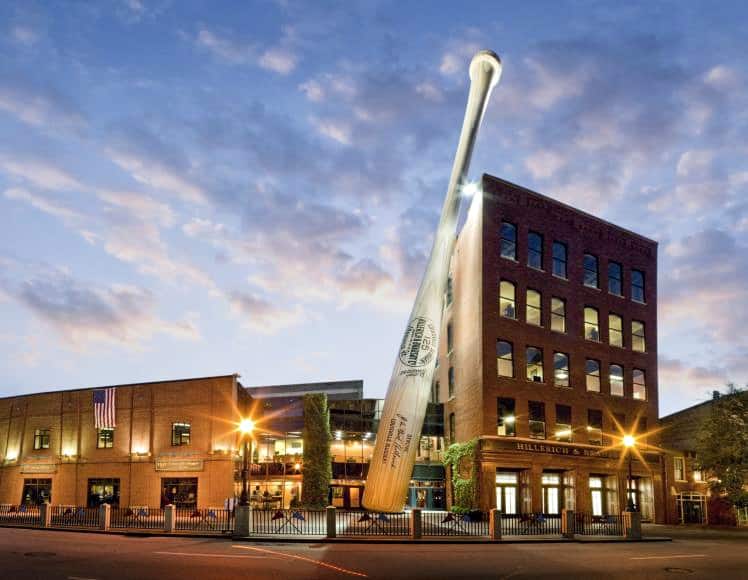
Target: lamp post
x=629, y=442
x=246, y=426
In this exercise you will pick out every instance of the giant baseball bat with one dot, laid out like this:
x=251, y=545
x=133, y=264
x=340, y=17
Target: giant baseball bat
x=408, y=392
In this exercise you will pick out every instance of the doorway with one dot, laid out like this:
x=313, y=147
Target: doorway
x=551, y=485
x=507, y=485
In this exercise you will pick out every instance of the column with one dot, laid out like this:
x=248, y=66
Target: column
x=105, y=514
x=331, y=520
x=170, y=518
x=416, y=529
x=494, y=524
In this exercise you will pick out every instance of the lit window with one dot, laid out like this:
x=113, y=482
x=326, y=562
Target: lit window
x=507, y=302
x=451, y=383
x=504, y=358
x=534, y=314
x=450, y=338
x=590, y=271
x=41, y=439
x=637, y=286
x=594, y=427
x=558, y=314
x=534, y=358
x=537, y=419
x=638, y=343
x=615, y=330
x=506, y=424
x=679, y=469
x=616, y=380
x=560, y=369
x=592, y=375
x=105, y=438
x=640, y=385
x=591, y=324
x=559, y=259
x=508, y=241
x=697, y=475
x=615, y=278
x=563, y=423
x=180, y=434
x=535, y=250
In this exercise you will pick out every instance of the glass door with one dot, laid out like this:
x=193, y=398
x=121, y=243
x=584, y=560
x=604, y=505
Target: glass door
x=596, y=493
x=551, y=483
x=506, y=492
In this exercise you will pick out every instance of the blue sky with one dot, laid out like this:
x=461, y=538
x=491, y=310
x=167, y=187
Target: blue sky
x=198, y=188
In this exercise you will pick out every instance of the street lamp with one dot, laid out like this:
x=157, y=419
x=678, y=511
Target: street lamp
x=629, y=442
x=246, y=426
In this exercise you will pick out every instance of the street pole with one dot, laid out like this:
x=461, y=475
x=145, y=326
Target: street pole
x=244, y=500
x=629, y=492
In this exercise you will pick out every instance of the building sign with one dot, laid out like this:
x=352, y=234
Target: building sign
x=38, y=468
x=551, y=448
x=179, y=464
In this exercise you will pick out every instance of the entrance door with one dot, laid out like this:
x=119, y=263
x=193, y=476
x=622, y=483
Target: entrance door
x=597, y=497
x=355, y=497
x=551, y=483
x=506, y=492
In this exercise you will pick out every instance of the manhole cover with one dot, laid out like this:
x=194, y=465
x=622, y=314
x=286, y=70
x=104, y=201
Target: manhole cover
x=679, y=570
x=40, y=554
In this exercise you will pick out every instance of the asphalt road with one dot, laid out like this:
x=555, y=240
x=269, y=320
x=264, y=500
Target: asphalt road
x=52, y=555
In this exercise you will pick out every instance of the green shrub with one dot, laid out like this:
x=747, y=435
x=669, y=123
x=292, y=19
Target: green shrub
x=461, y=458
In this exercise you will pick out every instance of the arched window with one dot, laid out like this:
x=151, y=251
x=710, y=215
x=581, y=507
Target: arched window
x=616, y=380
x=534, y=308
x=591, y=324
x=592, y=373
x=504, y=358
x=507, y=299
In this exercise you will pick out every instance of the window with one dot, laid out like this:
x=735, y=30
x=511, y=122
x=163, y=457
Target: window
x=640, y=386
x=105, y=438
x=637, y=286
x=507, y=491
x=615, y=278
x=560, y=369
x=505, y=358
x=451, y=382
x=558, y=314
x=508, y=241
x=180, y=434
x=594, y=427
x=591, y=324
x=507, y=302
x=41, y=439
x=638, y=343
x=679, y=468
x=596, y=491
x=590, y=271
x=452, y=437
x=449, y=292
x=180, y=492
x=563, y=423
x=450, y=338
x=435, y=393
x=506, y=422
x=697, y=475
x=551, y=490
x=101, y=491
x=534, y=314
x=619, y=422
x=534, y=358
x=616, y=380
x=536, y=413
x=36, y=491
x=535, y=250
x=559, y=259
x=592, y=372
x=615, y=330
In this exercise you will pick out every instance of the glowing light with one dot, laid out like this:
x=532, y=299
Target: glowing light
x=297, y=466
x=246, y=426
x=563, y=433
x=509, y=419
x=470, y=189
x=11, y=456
x=629, y=441
x=338, y=434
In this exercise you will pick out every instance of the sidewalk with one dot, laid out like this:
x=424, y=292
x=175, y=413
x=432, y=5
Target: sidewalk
x=696, y=531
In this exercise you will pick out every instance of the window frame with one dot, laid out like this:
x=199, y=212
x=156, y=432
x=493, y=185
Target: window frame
x=568, y=426
x=102, y=441
x=503, y=240
x=620, y=383
x=451, y=382
x=539, y=352
x=560, y=261
x=536, y=405
x=555, y=316
x=534, y=309
x=510, y=427
x=535, y=252
x=682, y=460
x=512, y=302
x=637, y=338
x=177, y=439
x=42, y=439
x=636, y=288
x=556, y=383
x=586, y=270
x=642, y=386
x=594, y=428
x=615, y=331
x=500, y=357
x=591, y=375
x=619, y=279
x=591, y=328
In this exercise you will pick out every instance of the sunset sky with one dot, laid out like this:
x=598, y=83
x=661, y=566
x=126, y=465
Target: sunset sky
x=202, y=188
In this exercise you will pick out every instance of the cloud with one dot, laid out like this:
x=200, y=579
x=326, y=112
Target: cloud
x=281, y=59
x=39, y=106
x=44, y=204
x=260, y=315
x=24, y=35
x=39, y=172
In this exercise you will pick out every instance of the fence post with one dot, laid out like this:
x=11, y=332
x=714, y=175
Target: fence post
x=494, y=524
x=105, y=516
x=170, y=518
x=633, y=524
x=567, y=524
x=243, y=521
x=45, y=515
x=416, y=521
x=331, y=521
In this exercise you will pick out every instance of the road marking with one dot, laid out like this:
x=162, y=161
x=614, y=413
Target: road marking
x=668, y=557
x=203, y=556
x=305, y=559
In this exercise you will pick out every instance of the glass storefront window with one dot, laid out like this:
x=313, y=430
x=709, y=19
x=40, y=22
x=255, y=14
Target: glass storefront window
x=179, y=491
x=36, y=491
x=101, y=491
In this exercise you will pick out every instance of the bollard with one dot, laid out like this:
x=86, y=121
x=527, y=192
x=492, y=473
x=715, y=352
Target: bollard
x=45, y=515
x=416, y=527
x=170, y=518
x=105, y=516
x=243, y=522
x=494, y=524
x=331, y=520
x=567, y=524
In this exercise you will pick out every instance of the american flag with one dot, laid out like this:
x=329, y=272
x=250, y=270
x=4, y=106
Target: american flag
x=104, y=408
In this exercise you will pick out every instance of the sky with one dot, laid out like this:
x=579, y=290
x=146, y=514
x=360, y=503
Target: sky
x=199, y=188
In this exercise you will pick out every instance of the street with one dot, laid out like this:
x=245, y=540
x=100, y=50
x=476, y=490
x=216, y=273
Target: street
x=49, y=555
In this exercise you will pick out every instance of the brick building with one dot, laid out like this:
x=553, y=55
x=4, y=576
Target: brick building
x=551, y=355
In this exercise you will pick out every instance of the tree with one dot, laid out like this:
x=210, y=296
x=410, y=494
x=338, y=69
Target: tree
x=317, y=458
x=722, y=445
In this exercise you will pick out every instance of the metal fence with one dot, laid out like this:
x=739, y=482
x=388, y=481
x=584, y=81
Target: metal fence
x=450, y=524
x=361, y=523
x=589, y=525
x=74, y=517
x=290, y=522
x=19, y=515
x=530, y=524
x=144, y=518
x=742, y=516
x=204, y=520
